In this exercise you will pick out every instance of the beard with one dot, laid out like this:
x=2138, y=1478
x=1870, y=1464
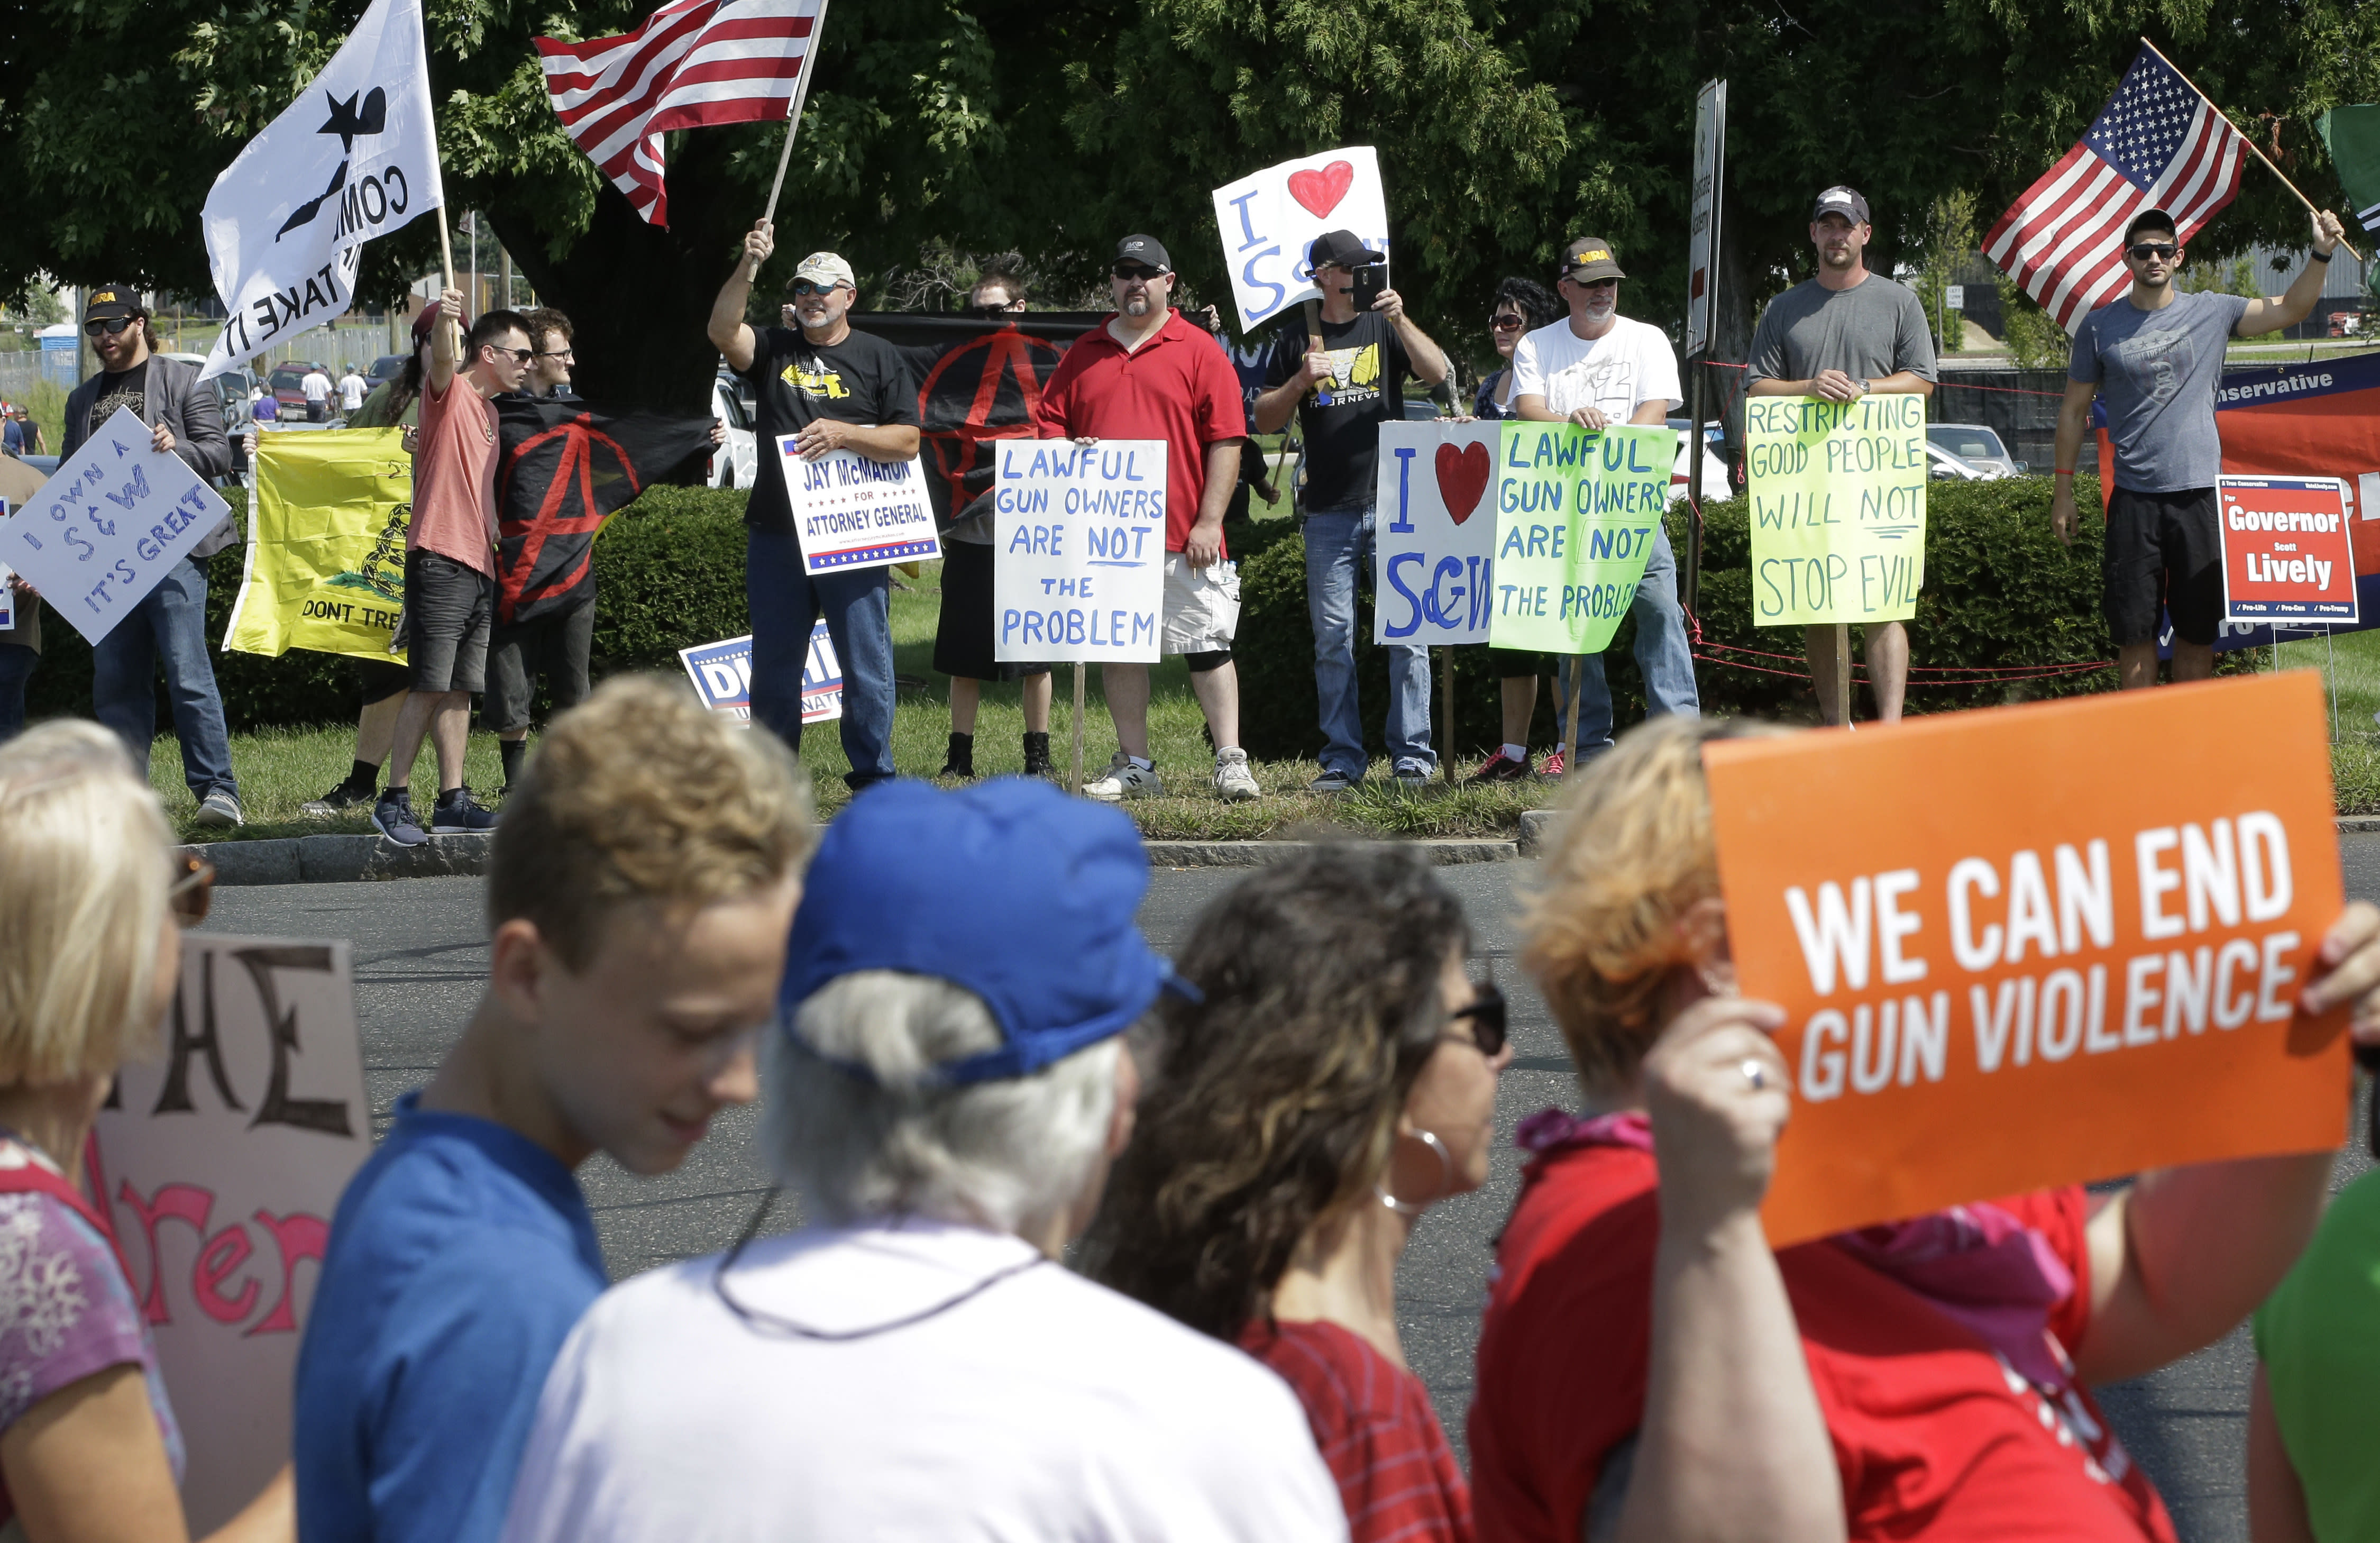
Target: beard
x=1838, y=257
x=1139, y=304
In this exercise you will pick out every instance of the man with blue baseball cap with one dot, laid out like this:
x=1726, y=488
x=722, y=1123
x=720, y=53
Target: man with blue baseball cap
x=946, y=1084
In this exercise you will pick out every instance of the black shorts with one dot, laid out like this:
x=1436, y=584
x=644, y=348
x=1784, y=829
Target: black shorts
x=962, y=639
x=1511, y=663
x=448, y=607
x=555, y=646
x=378, y=679
x=2163, y=550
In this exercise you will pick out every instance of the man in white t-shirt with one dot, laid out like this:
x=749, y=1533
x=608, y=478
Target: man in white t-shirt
x=943, y=1092
x=317, y=387
x=352, y=387
x=1597, y=367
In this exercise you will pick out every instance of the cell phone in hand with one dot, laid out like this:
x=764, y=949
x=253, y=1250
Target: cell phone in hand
x=1371, y=278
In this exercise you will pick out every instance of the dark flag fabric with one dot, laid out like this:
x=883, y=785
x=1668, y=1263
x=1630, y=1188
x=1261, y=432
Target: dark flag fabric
x=567, y=467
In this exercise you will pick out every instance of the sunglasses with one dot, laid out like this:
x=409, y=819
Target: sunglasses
x=113, y=326
x=190, y=889
x=1132, y=271
x=803, y=286
x=1486, y=1015
x=2146, y=252
x=1507, y=324
x=1594, y=284
x=519, y=356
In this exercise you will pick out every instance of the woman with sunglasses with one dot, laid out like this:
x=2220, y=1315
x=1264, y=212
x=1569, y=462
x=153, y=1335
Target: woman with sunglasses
x=92, y=896
x=1521, y=307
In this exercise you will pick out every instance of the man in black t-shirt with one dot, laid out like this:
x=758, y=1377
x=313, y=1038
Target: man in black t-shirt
x=1341, y=393
x=828, y=388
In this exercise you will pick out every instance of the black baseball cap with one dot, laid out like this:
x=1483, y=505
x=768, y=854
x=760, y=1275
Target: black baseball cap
x=1146, y=250
x=2152, y=219
x=1842, y=200
x=1589, y=257
x=112, y=299
x=1340, y=247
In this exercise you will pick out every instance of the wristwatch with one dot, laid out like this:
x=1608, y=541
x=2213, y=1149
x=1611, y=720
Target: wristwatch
x=1862, y=383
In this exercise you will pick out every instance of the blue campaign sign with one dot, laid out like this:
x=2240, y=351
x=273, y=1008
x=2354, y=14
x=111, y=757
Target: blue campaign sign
x=721, y=674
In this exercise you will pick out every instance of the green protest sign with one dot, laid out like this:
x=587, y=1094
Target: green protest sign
x=1576, y=513
x=1838, y=508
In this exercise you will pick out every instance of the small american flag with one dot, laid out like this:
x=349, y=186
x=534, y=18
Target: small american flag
x=693, y=64
x=2158, y=144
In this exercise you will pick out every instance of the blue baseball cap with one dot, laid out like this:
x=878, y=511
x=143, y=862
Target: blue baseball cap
x=1008, y=888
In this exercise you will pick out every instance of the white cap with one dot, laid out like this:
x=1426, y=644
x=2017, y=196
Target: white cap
x=826, y=268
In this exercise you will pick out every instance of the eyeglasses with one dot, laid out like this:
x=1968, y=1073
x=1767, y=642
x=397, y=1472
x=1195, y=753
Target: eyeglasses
x=2150, y=252
x=803, y=286
x=1135, y=271
x=111, y=325
x=190, y=890
x=1507, y=324
x=1487, y=1015
x=558, y=353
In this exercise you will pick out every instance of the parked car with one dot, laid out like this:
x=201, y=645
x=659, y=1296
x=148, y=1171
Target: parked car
x=231, y=389
x=386, y=368
x=736, y=462
x=1976, y=445
x=1421, y=409
x=1949, y=468
x=1717, y=484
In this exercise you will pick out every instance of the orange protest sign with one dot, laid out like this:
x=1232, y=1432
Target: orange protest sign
x=2037, y=945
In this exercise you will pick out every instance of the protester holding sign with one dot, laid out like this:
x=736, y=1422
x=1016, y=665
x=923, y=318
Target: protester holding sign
x=1952, y=1354
x=168, y=625
x=90, y=952
x=2157, y=355
x=827, y=388
x=1336, y=1077
x=1343, y=385
x=642, y=883
x=1150, y=373
x=1840, y=335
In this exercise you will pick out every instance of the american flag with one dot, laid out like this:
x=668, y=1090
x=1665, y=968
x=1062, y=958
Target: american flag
x=693, y=64
x=2158, y=144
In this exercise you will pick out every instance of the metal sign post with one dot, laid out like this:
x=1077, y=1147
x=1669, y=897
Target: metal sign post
x=1702, y=310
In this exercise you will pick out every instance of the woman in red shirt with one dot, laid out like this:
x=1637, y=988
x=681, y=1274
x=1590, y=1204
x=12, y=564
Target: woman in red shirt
x=1951, y=1354
x=1337, y=1077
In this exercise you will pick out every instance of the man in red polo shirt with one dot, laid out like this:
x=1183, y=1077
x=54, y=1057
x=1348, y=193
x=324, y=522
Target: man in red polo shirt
x=1151, y=374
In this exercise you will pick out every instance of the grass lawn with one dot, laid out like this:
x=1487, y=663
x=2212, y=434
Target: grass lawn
x=2355, y=738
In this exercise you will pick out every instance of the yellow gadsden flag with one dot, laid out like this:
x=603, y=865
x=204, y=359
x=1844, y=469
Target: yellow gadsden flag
x=326, y=545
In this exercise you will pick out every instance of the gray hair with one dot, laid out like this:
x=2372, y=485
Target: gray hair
x=1009, y=1155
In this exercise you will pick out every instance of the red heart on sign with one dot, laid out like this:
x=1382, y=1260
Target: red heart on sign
x=1321, y=191
x=1462, y=477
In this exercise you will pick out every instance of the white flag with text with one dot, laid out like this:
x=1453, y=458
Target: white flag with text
x=354, y=157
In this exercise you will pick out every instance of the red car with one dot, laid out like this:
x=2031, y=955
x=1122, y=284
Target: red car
x=288, y=382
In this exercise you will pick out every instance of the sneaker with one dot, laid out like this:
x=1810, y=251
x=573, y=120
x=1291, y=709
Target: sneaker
x=459, y=814
x=1499, y=767
x=1124, y=780
x=1331, y=781
x=1233, y=782
x=219, y=810
x=339, y=799
x=1553, y=766
x=1412, y=774
x=392, y=816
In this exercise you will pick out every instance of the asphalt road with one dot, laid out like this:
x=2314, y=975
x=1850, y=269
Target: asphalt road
x=420, y=951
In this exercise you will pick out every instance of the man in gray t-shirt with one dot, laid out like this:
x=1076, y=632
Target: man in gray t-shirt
x=2157, y=357
x=1839, y=337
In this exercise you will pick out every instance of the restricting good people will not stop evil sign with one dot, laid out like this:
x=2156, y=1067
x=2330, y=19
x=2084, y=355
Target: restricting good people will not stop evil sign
x=1838, y=493
x=1079, y=551
x=2037, y=945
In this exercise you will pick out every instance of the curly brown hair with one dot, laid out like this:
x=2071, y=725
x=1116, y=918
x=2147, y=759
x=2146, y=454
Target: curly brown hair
x=1275, y=1099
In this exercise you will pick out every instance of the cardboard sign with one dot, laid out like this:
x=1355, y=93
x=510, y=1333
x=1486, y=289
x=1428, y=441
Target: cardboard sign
x=721, y=674
x=325, y=563
x=1577, y=510
x=1079, y=551
x=851, y=511
x=2286, y=551
x=2037, y=945
x=101, y=533
x=1434, y=548
x=1270, y=222
x=222, y=1161
x=1838, y=507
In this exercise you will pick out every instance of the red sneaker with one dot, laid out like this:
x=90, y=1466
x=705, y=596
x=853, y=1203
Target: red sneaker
x=1499, y=768
x=1553, y=766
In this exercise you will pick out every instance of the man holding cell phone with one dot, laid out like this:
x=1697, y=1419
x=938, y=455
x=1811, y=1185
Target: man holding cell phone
x=1341, y=391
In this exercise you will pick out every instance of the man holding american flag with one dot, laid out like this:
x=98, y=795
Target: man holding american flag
x=2156, y=355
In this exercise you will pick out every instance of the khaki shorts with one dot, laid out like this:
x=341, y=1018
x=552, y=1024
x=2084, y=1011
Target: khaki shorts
x=1202, y=605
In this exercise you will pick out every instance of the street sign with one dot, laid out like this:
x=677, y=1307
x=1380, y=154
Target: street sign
x=1954, y=297
x=1702, y=242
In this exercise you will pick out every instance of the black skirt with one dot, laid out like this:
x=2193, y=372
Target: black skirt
x=962, y=639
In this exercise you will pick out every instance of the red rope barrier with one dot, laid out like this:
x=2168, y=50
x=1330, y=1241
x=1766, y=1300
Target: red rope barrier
x=1962, y=386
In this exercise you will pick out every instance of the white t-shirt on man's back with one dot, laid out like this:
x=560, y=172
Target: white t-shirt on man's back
x=1042, y=1407
x=1621, y=370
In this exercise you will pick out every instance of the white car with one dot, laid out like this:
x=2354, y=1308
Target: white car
x=736, y=462
x=1715, y=478
x=1976, y=445
x=1946, y=467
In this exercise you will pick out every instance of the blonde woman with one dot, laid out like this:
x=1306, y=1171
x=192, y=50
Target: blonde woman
x=1952, y=1355
x=91, y=902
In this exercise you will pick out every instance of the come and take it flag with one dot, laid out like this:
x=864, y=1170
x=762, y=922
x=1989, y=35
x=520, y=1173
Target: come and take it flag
x=693, y=64
x=2158, y=144
x=354, y=157
x=566, y=469
x=2352, y=135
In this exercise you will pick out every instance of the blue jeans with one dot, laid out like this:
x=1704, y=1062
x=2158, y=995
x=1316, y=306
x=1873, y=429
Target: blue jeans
x=1338, y=550
x=1662, y=654
x=170, y=626
x=786, y=604
x=16, y=663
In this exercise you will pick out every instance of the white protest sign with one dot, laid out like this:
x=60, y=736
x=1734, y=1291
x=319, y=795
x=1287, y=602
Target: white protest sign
x=1079, y=551
x=1434, y=551
x=101, y=533
x=851, y=511
x=221, y=1162
x=1270, y=222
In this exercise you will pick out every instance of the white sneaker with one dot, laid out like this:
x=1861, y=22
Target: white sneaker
x=1233, y=782
x=1124, y=779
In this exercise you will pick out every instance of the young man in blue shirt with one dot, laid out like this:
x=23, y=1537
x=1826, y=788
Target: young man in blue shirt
x=643, y=883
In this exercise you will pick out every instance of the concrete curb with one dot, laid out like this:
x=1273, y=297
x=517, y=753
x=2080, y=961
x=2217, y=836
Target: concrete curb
x=1255, y=853
x=1537, y=830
